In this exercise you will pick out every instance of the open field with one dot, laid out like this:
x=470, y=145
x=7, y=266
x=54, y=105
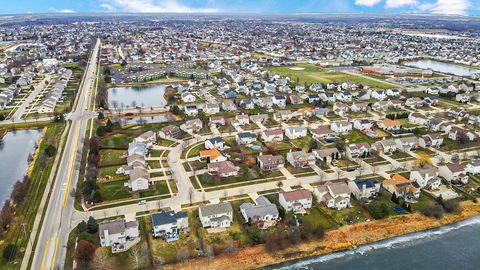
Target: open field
x=313, y=74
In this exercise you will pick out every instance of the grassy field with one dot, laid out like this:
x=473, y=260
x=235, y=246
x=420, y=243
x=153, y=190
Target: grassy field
x=312, y=74
x=114, y=190
x=356, y=136
x=112, y=157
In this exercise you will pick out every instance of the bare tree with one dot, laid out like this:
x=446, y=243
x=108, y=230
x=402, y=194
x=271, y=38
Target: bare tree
x=231, y=247
x=183, y=254
x=137, y=257
x=102, y=260
x=209, y=252
x=190, y=195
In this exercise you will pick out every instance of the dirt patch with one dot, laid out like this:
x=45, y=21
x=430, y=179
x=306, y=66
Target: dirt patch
x=297, y=68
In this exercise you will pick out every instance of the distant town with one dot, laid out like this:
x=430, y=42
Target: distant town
x=191, y=141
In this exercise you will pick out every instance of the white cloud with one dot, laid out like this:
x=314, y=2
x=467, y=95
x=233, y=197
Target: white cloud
x=154, y=6
x=62, y=10
x=368, y=3
x=454, y=7
x=107, y=7
x=400, y=3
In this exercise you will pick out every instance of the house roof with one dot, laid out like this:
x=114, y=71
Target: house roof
x=167, y=217
x=215, y=209
x=390, y=123
x=211, y=153
x=295, y=195
x=369, y=183
x=455, y=167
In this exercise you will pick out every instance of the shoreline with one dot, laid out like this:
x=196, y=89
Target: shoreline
x=337, y=240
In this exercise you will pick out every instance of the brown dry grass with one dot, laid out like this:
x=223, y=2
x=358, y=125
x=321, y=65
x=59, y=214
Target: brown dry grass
x=335, y=240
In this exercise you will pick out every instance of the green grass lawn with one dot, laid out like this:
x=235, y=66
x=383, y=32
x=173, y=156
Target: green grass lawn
x=356, y=136
x=195, y=151
x=422, y=201
x=349, y=215
x=302, y=143
x=160, y=188
x=154, y=164
x=112, y=157
x=114, y=190
x=116, y=141
x=109, y=171
x=317, y=218
x=246, y=174
x=313, y=74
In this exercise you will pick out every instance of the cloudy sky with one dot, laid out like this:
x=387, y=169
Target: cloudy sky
x=460, y=7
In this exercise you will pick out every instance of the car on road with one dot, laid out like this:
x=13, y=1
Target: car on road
x=142, y=202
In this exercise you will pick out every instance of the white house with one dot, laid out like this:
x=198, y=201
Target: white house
x=139, y=179
x=295, y=132
x=295, y=200
x=333, y=195
x=454, y=173
x=169, y=224
x=188, y=97
x=216, y=142
x=218, y=215
x=426, y=177
x=116, y=233
x=362, y=124
x=272, y=135
x=473, y=167
x=341, y=127
x=364, y=189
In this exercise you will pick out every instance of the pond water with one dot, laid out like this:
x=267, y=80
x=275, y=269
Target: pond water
x=137, y=96
x=145, y=119
x=15, y=148
x=443, y=67
x=451, y=247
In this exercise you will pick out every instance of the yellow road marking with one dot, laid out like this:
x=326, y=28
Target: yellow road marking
x=44, y=254
x=55, y=254
x=70, y=168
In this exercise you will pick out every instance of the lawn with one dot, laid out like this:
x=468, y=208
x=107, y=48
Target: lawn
x=246, y=174
x=154, y=164
x=356, y=136
x=302, y=143
x=349, y=215
x=160, y=188
x=109, y=172
x=422, y=201
x=112, y=157
x=195, y=151
x=116, y=141
x=317, y=218
x=114, y=190
x=313, y=74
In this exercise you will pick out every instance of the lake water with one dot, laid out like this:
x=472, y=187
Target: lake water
x=443, y=67
x=450, y=247
x=148, y=96
x=14, y=152
x=145, y=119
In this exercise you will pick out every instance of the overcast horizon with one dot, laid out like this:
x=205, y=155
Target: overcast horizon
x=443, y=7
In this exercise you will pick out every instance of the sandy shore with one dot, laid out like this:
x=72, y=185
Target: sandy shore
x=346, y=237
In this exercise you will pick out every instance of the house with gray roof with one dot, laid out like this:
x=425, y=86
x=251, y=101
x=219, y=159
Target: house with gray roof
x=263, y=212
x=218, y=215
x=116, y=233
x=169, y=224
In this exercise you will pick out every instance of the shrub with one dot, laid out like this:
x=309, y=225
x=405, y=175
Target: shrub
x=433, y=210
x=379, y=210
x=50, y=150
x=452, y=206
x=9, y=252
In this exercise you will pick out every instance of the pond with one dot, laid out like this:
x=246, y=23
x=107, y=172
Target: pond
x=163, y=118
x=443, y=67
x=137, y=96
x=15, y=149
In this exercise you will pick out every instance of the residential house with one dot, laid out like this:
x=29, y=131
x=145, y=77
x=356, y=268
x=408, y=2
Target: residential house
x=327, y=155
x=139, y=179
x=188, y=97
x=402, y=187
x=242, y=119
x=280, y=101
x=116, y=233
x=300, y=159
x=333, y=195
x=170, y=131
x=243, y=138
x=357, y=150
x=211, y=108
x=270, y=162
x=473, y=167
x=191, y=110
x=461, y=134
x=341, y=127
x=426, y=177
x=386, y=146
x=431, y=140
x=215, y=142
x=379, y=95
x=454, y=173
x=390, y=125
x=228, y=105
x=219, y=215
x=406, y=144
x=322, y=132
x=216, y=121
x=340, y=108
x=223, y=168
x=359, y=107
x=259, y=118
x=364, y=189
x=272, y=135
x=296, y=200
x=149, y=138
x=192, y=126
x=295, y=132
x=263, y=213
x=169, y=224
x=418, y=119
x=212, y=155
x=362, y=124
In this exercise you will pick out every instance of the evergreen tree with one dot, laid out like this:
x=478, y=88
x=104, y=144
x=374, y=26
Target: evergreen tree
x=92, y=226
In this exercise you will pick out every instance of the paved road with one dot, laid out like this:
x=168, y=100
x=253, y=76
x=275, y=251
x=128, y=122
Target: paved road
x=51, y=247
